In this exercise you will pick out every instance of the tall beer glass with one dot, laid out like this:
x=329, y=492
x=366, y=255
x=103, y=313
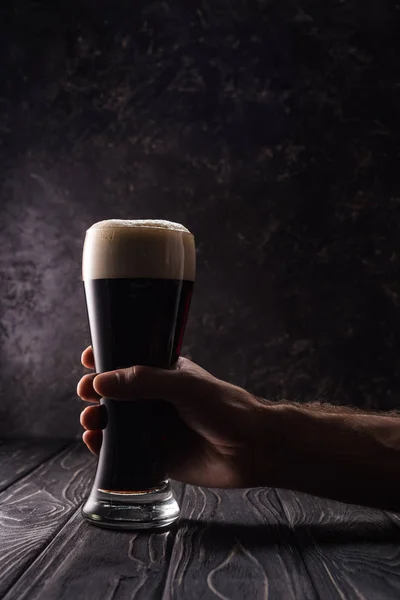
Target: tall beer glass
x=138, y=278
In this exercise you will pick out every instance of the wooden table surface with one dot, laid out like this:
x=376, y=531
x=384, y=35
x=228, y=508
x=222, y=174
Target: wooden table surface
x=240, y=544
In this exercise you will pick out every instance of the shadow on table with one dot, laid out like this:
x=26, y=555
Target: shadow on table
x=227, y=534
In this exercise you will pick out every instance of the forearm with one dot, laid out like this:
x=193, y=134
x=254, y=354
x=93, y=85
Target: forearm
x=334, y=452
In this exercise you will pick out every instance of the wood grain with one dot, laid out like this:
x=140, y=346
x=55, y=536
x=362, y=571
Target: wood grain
x=84, y=561
x=350, y=552
x=19, y=457
x=233, y=545
x=229, y=544
x=33, y=509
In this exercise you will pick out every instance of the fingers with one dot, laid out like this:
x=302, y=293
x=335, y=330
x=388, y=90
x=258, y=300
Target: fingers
x=174, y=385
x=93, y=440
x=94, y=417
x=85, y=388
x=87, y=358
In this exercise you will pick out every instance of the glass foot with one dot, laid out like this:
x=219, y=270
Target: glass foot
x=131, y=510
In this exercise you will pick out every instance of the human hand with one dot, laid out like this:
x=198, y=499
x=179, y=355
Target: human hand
x=216, y=434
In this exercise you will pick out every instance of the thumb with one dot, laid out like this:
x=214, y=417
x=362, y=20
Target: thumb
x=140, y=382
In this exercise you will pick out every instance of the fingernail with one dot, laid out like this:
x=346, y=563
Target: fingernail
x=106, y=382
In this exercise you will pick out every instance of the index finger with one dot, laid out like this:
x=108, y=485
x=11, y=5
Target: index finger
x=87, y=358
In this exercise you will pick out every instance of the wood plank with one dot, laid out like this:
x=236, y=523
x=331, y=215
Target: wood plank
x=33, y=509
x=84, y=561
x=19, y=457
x=350, y=551
x=235, y=544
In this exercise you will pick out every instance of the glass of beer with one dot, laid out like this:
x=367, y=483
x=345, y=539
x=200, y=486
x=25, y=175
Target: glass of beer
x=138, y=278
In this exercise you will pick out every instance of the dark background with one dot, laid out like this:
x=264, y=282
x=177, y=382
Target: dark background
x=270, y=128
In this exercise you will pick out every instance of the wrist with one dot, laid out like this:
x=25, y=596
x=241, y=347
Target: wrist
x=268, y=451
x=286, y=442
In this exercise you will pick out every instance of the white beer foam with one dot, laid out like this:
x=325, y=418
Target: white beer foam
x=152, y=223
x=155, y=249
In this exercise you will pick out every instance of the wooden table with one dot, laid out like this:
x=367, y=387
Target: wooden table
x=240, y=544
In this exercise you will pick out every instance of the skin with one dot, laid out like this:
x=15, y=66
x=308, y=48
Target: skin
x=215, y=425
x=225, y=437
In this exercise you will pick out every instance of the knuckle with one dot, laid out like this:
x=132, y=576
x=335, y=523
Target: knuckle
x=82, y=417
x=128, y=376
x=79, y=387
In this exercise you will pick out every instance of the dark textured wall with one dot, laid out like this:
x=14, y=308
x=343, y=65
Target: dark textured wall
x=271, y=129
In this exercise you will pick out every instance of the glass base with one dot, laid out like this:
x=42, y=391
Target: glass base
x=131, y=510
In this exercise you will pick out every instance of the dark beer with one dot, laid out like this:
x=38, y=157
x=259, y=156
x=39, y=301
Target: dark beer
x=135, y=322
x=138, y=280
